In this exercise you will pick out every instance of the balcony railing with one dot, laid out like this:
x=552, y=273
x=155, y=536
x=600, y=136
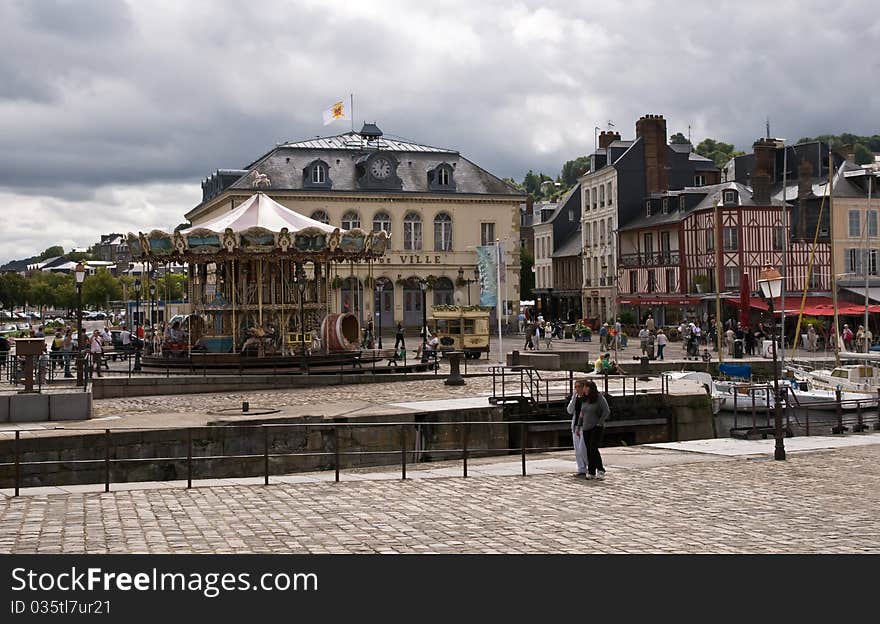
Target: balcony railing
x=660, y=258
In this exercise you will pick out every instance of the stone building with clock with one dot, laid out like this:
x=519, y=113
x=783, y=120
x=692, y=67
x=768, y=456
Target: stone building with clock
x=437, y=205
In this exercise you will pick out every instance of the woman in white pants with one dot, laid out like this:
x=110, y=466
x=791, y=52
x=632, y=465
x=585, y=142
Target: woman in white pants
x=577, y=439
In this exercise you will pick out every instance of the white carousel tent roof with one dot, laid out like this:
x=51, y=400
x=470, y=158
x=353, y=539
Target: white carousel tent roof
x=260, y=210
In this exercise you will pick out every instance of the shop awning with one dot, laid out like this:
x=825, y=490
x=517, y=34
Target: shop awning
x=813, y=306
x=873, y=293
x=659, y=301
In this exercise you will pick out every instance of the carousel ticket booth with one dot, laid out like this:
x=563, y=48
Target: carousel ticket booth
x=259, y=288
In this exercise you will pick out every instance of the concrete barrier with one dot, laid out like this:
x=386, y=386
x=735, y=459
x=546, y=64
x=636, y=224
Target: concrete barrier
x=25, y=408
x=538, y=361
x=28, y=407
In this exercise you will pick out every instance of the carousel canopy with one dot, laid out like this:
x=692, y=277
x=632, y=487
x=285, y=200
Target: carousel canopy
x=260, y=210
x=259, y=225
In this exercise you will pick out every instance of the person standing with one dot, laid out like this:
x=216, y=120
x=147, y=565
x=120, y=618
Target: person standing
x=594, y=414
x=603, y=337
x=847, y=338
x=574, y=409
x=530, y=332
x=662, y=341
x=66, y=351
x=649, y=324
x=96, y=349
x=643, y=340
x=811, y=338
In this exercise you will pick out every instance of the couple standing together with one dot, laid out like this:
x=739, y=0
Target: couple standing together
x=589, y=412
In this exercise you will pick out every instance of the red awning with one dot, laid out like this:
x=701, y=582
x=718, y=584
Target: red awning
x=813, y=306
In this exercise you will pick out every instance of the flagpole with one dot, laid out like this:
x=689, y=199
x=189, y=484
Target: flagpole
x=498, y=304
x=351, y=96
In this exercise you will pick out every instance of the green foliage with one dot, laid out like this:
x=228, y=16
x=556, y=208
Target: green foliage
x=718, y=151
x=678, y=139
x=52, y=252
x=13, y=290
x=573, y=169
x=626, y=318
x=526, y=276
x=171, y=286
x=78, y=256
x=100, y=288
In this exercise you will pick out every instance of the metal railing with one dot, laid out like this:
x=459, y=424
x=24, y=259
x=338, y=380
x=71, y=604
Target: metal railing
x=527, y=384
x=407, y=455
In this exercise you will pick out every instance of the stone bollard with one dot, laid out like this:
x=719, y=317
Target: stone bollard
x=514, y=358
x=455, y=378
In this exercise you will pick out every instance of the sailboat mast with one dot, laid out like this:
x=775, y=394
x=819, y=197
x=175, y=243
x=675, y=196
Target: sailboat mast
x=833, y=267
x=867, y=260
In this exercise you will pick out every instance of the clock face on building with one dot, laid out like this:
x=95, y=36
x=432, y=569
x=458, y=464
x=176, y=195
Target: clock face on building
x=380, y=168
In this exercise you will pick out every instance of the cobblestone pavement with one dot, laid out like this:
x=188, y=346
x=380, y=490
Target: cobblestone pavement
x=815, y=502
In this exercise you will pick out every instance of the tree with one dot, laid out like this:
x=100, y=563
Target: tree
x=100, y=288
x=526, y=276
x=864, y=156
x=717, y=151
x=78, y=256
x=52, y=252
x=171, y=286
x=573, y=169
x=678, y=139
x=531, y=183
x=13, y=290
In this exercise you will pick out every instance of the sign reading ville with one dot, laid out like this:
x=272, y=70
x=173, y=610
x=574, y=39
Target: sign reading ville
x=412, y=260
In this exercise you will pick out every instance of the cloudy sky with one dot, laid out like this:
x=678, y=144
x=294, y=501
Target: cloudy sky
x=111, y=113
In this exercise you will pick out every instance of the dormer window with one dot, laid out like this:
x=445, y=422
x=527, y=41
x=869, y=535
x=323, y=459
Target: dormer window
x=648, y=208
x=440, y=178
x=729, y=197
x=665, y=205
x=699, y=180
x=681, y=203
x=317, y=175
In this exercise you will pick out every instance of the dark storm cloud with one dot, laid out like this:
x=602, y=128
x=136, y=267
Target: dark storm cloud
x=114, y=94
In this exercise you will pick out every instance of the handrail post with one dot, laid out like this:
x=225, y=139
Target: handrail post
x=808, y=422
x=859, y=426
x=522, y=442
x=189, y=458
x=464, y=448
x=106, y=460
x=877, y=424
x=265, y=455
x=403, y=452
x=606, y=384
x=839, y=409
x=336, y=449
x=17, y=465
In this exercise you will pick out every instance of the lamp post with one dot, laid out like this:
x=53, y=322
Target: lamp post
x=770, y=282
x=80, y=274
x=137, y=324
x=299, y=280
x=153, y=309
x=380, y=286
x=423, y=285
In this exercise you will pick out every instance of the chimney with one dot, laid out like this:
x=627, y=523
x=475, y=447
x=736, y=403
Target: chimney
x=762, y=174
x=652, y=130
x=607, y=138
x=805, y=187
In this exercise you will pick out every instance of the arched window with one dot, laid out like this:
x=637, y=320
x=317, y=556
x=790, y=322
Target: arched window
x=316, y=175
x=412, y=232
x=350, y=220
x=443, y=291
x=382, y=221
x=442, y=232
x=320, y=215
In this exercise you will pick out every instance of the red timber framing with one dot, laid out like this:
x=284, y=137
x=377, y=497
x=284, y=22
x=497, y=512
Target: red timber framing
x=759, y=242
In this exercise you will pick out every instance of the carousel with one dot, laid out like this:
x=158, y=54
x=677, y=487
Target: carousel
x=258, y=289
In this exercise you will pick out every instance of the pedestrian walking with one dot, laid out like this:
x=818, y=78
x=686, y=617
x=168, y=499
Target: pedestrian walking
x=649, y=324
x=593, y=416
x=662, y=341
x=398, y=337
x=67, y=351
x=577, y=438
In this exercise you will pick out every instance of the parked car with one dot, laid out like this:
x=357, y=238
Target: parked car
x=8, y=329
x=24, y=326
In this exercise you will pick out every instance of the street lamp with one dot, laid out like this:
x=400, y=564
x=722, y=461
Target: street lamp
x=80, y=274
x=423, y=285
x=137, y=324
x=380, y=286
x=153, y=309
x=770, y=282
x=299, y=281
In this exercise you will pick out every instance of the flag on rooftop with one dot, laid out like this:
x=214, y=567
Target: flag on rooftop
x=337, y=111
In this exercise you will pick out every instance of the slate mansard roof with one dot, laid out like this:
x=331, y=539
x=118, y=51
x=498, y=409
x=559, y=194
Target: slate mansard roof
x=285, y=163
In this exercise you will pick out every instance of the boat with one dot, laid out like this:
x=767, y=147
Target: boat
x=803, y=393
x=704, y=379
x=860, y=379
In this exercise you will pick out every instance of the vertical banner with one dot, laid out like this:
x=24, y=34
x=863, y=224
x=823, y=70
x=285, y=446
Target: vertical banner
x=488, y=275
